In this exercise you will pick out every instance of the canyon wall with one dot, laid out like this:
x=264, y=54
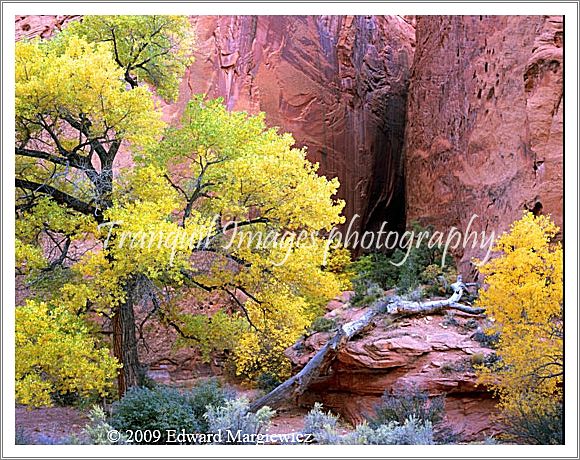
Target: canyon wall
x=40, y=26
x=484, y=130
x=337, y=83
x=483, y=122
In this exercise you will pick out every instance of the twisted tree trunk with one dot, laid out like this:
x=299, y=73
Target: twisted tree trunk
x=296, y=385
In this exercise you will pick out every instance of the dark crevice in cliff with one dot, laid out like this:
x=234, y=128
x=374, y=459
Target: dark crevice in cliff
x=387, y=203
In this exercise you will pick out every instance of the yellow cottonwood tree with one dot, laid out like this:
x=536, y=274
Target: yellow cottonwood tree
x=524, y=296
x=205, y=191
x=56, y=352
x=228, y=164
x=78, y=101
x=154, y=49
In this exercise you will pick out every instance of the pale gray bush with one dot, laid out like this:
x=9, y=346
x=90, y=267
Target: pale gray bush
x=412, y=432
x=317, y=421
x=98, y=428
x=235, y=416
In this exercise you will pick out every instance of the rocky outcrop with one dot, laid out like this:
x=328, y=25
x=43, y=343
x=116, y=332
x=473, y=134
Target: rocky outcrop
x=484, y=128
x=435, y=353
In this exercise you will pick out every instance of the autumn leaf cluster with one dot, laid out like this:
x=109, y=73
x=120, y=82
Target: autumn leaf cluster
x=524, y=297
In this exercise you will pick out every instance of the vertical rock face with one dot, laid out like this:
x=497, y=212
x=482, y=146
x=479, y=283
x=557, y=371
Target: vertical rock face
x=484, y=117
x=337, y=83
x=484, y=130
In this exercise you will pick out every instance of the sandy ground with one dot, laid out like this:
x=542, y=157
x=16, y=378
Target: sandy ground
x=49, y=423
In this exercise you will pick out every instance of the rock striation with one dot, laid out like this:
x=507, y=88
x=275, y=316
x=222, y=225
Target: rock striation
x=42, y=26
x=434, y=118
x=337, y=83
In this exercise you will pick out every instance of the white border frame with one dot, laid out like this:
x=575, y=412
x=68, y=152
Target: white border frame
x=569, y=9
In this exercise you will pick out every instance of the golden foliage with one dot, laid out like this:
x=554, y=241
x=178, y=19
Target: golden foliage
x=56, y=353
x=78, y=97
x=69, y=77
x=252, y=176
x=525, y=297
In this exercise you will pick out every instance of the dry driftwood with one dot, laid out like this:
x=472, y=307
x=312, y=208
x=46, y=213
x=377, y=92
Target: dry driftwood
x=321, y=361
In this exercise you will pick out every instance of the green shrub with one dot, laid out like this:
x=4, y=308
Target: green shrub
x=322, y=324
x=422, y=266
x=414, y=270
x=207, y=393
x=535, y=427
x=439, y=279
x=324, y=427
x=412, y=432
x=415, y=295
x=164, y=408
x=234, y=417
x=161, y=409
x=375, y=268
x=365, y=293
x=399, y=406
x=485, y=339
x=448, y=368
x=74, y=399
x=373, y=273
x=267, y=382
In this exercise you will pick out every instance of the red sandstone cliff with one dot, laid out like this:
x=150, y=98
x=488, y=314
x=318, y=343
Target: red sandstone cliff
x=337, y=83
x=484, y=130
x=39, y=26
x=483, y=119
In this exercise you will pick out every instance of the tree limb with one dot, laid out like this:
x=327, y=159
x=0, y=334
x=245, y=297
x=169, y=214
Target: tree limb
x=61, y=198
x=31, y=153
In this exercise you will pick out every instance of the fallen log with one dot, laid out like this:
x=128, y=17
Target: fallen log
x=296, y=385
